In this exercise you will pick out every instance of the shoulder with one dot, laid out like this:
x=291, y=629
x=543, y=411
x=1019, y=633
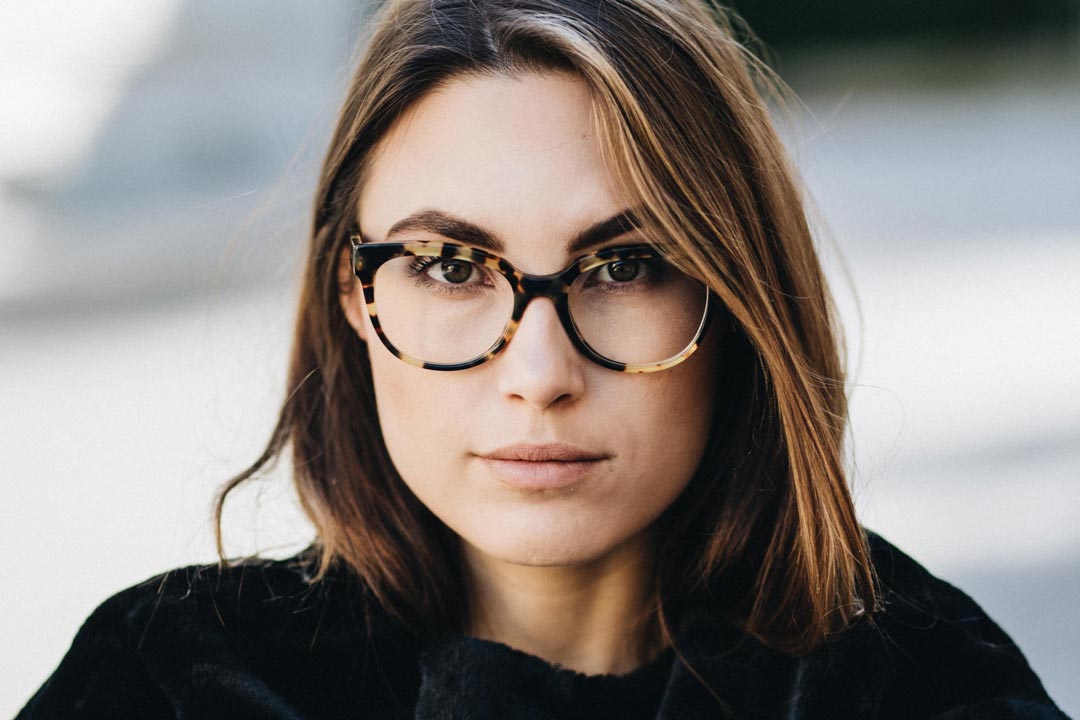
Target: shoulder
x=943, y=652
x=221, y=600
x=919, y=606
x=233, y=641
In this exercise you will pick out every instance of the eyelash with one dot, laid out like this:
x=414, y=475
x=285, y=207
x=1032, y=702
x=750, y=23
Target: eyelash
x=418, y=271
x=653, y=274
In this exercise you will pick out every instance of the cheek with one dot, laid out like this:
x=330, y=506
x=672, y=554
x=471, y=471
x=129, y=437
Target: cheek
x=420, y=415
x=667, y=432
x=672, y=427
x=673, y=409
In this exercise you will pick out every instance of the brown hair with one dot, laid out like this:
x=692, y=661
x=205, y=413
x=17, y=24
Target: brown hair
x=678, y=107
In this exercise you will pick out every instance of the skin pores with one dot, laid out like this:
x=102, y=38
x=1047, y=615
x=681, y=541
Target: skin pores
x=519, y=157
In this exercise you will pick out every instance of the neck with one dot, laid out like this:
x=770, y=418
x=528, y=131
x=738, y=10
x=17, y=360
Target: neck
x=594, y=618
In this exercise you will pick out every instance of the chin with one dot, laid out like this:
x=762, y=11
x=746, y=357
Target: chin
x=542, y=546
x=542, y=557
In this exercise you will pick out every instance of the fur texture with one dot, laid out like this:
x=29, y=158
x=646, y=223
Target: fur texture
x=260, y=641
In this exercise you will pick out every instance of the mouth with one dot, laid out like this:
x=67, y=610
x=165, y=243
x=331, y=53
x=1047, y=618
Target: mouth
x=541, y=467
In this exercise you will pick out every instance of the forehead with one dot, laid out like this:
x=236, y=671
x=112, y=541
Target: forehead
x=518, y=156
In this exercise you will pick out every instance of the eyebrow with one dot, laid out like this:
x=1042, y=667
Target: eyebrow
x=461, y=230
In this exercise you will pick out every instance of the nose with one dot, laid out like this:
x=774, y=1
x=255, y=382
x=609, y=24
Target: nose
x=540, y=365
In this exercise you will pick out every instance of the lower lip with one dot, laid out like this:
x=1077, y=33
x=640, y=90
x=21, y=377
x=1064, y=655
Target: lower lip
x=533, y=475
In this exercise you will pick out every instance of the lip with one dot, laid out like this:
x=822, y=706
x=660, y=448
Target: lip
x=541, y=467
x=560, y=452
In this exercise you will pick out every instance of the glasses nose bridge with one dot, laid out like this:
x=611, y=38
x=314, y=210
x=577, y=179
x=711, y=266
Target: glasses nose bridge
x=531, y=287
x=554, y=287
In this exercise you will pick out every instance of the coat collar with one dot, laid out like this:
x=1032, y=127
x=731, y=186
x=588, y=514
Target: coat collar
x=718, y=672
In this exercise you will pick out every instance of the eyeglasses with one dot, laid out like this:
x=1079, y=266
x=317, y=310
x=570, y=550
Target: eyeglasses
x=446, y=306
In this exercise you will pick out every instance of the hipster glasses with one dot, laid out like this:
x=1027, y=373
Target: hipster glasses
x=447, y=306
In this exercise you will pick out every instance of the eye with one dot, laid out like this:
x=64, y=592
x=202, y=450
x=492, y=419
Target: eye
x=454, y=271
x=445, y=272
x=627, y=275
x=620, y=271
x=452, y=276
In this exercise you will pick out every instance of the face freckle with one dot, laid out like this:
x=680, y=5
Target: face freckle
x=518, y=157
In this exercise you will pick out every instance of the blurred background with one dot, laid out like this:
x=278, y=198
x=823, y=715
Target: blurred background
x=157, y=160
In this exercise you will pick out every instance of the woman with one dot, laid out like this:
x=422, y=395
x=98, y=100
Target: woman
x=566, y=410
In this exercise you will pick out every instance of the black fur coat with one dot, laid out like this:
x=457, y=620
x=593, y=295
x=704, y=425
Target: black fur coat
x=259, y=641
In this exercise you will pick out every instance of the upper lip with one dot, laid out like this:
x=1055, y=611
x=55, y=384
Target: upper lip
x=549, y=452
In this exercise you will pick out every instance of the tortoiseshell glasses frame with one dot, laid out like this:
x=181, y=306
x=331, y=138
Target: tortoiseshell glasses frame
x=367, y=258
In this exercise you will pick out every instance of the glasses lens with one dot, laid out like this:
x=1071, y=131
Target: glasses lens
x=439, y=310
x=637, y=311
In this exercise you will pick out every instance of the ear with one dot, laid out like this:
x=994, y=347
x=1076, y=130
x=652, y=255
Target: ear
x=351, y=295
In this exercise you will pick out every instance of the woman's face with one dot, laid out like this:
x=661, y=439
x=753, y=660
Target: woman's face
x=519, y=158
